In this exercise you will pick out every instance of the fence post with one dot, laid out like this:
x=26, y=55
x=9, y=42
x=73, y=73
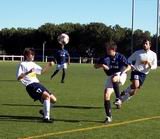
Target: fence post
x=46, y=59
x=92, y=60
x=80, y=60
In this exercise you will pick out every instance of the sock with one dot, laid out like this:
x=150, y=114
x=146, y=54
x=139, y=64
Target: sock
x=54, y=73
x=116, y=89
x=107, y=106
x=46, y=109
x=63, y=75
x=125, y=97
x=127, y=90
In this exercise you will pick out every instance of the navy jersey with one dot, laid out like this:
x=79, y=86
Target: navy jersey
x=61, y=56
x=115, y=64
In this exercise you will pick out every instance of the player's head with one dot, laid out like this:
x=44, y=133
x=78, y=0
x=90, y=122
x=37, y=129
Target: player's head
x=29, y=54
x=111, y=48
x=146, y=44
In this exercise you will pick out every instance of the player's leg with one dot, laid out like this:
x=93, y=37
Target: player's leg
x=107, y=105
x=46, y=106
x=63, y=75
x=64, y=72
x=53, y=99
x=55, y=72
x=115, y=82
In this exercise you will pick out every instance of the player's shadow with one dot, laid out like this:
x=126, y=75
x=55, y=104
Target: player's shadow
x=19, y=118
x=39, y=120
x=57, y=106
x=7, y=80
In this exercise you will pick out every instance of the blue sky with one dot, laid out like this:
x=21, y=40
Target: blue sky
x=34, y=13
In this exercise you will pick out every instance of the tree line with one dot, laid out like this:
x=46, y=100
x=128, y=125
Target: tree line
x=86, y=40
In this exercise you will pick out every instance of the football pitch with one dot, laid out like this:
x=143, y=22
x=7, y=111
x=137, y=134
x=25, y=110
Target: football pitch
x=79, y=111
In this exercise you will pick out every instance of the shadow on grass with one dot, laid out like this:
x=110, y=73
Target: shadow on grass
x=39, y=120
x=56, y=106
x=8, y=80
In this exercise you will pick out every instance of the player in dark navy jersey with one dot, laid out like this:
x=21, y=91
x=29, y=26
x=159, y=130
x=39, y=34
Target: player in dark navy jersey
x=62, y=57
x=115, y=66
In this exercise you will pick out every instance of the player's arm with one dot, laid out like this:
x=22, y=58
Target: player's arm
x=22, y=75
x=97, y=66
x=47, y=67
x=128, y=68
x=153, y=64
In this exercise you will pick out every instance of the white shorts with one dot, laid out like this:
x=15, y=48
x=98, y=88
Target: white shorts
x=122, y=80
x=61, y=66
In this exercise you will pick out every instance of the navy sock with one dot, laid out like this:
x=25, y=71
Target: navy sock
x=116, y=89
x=107, y=106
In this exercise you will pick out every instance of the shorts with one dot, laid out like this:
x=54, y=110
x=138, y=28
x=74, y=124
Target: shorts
x=136, y=75
x=61, y=66
x=122, y=80
x=35, y=91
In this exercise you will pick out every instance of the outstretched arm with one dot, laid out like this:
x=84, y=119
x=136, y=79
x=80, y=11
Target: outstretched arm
x=47, y=67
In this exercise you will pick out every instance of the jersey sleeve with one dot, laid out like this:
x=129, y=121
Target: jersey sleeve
x=132, y=58
x=154, y=62
x=124, y=60
x=19, y=70
x=37, y=69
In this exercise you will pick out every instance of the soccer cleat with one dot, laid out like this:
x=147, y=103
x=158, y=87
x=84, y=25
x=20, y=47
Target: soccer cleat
x=62, y=81
x=118, y=103
x=122, y=93
x=46, y=120
x=108, y=120
x=41, y=112
x=51, y=77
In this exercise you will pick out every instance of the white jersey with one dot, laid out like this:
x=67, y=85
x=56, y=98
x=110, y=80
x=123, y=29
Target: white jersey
x=31, y=77
x=141, y=55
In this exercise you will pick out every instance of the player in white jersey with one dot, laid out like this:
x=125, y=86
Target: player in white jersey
x=145, y=60
x=26, y=73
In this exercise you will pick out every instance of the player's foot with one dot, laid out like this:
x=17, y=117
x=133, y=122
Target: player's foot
x=41, y=112
x=51, y=77
x=62, y=81
x=122, y=93
x=46, y=120
x=118, y=103
x=108, y=120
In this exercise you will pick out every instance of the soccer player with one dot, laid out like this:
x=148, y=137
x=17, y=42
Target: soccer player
x=26, y=73
x=115, y=66
x=62, y=57
x=144, y=60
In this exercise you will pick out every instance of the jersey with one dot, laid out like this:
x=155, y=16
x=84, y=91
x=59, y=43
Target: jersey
x=61, y=56
x=141, y=55
x=31, y=77
x=115, y=63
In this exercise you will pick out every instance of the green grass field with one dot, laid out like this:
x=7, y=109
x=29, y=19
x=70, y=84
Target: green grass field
x=79, y=110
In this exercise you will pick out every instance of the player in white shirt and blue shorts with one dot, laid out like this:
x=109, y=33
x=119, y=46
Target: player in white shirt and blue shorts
x=144, y=60
x=26, y=73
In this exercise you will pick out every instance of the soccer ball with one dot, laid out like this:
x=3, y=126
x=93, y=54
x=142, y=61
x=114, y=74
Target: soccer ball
x=63, y=39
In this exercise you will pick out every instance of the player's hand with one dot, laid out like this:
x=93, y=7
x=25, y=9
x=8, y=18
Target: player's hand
x=51, y=63
x=144, y=62
x=29, y=71
x=105, y=67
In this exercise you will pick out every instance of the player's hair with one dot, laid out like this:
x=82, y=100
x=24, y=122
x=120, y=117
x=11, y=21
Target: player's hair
x=145, y=40
x=111, y=45
x=28, y=51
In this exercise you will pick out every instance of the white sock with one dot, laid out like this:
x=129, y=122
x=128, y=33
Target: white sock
x=46, y=109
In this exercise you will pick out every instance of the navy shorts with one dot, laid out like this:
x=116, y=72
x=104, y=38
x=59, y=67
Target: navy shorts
x=35, y=91
x=136, y=75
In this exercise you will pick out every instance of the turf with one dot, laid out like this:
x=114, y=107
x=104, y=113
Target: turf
x=79, y=110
